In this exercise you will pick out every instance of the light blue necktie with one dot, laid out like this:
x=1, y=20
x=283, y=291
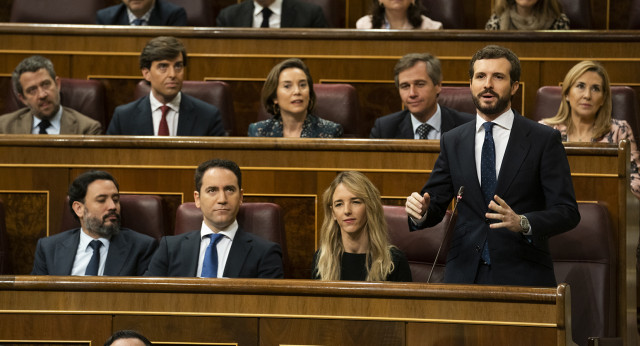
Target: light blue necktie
x=210, y=262
x=488, y=176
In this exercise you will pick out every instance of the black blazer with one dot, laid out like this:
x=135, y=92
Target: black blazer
x=197, y=118
x=398, y=125
x=534, y=180
x=129, y=253
x=295, y=14
x=249, y=257
x=164, y=13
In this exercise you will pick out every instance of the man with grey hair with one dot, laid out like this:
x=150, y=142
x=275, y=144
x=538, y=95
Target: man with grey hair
x=418, y=77
x=37, y=86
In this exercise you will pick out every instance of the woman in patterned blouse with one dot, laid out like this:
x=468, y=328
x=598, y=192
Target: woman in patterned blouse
x=585, y=113
x=528, y=15
x=288, y=95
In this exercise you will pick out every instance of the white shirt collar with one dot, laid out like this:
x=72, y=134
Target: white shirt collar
x=435, y=121
x=504, y=120
x=174, y=104
x=229, y=232
x=55, y=127
x=144, y=17
x=276, y=8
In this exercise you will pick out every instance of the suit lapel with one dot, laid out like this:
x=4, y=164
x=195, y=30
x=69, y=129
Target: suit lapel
x=145, y=119
x=240, y=249
x=246, y=15
x=185, y=123
x=466, y=155
x=68, y=124
x=65, y=254
x=117, y=255
x=25, y=122
x=405, y=128
x=517, y=149
x=288, y=14
x=446, y=119
x=189, y=253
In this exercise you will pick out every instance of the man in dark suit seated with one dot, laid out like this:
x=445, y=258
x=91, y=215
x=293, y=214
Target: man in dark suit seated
x=38, y=87
x=272, y=14
x=165, y=111
x=100, y=246
x=418, y=78
x=517, y=184
x=143, y=12
x=220, y=248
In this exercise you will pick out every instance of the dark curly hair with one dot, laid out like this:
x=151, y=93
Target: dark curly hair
x=414, y=14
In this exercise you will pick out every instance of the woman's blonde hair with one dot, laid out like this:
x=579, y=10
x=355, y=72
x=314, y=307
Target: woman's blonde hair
x=602, y=124
x=540, y=8
x=378, y=257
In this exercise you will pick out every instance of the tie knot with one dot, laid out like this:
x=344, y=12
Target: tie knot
x=164, y=109
x=138, y=21
x=266, y=12
x=423, y=130
x=488, y=126
x=44, y=125
x=215, y=237
x=95, y=244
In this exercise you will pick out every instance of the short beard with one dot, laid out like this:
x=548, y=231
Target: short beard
x=497, y=109
x=97, y=226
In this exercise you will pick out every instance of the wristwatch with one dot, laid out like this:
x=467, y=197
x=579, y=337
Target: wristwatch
x=524, y=224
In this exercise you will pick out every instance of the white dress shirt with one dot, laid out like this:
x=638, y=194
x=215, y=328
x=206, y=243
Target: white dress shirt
x=274, y=19
x=144, y=17
x=435, y=121
x=222, y=247
x=85, y=252
x=172, y=115
x=54, y=129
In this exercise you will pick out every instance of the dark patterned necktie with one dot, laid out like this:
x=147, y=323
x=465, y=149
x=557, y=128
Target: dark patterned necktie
x=488, y=175
x=423, y=130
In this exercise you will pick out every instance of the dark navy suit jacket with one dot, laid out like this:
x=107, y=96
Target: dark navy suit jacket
x=164, y=14
x=129, y=253
x=398, y=125
x=197, y=118
x=249, y=257
x=534, y=180
x=295, y=14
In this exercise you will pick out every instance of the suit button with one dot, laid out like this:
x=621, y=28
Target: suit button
x=478, y=248
x=487, y=221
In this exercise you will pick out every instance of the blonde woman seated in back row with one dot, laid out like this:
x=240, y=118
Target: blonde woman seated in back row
x=528, y=15
x=585, y=113
x=397, y=15
x=354, y=240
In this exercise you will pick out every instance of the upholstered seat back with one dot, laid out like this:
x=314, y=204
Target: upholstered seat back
x=141, y=213
x=579, y=13
x=449, y=12
x=85, y=96
x=334, y=12
x=338, y=103
x=5, y=256
x=421, y=246
x=585, y=258
x=458, y=98
x=199, y=12
x=57, y=12
x=216, y=93
x=623, y=99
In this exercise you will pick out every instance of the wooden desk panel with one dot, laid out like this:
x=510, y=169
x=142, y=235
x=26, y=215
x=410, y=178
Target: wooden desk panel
x=284, y=311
